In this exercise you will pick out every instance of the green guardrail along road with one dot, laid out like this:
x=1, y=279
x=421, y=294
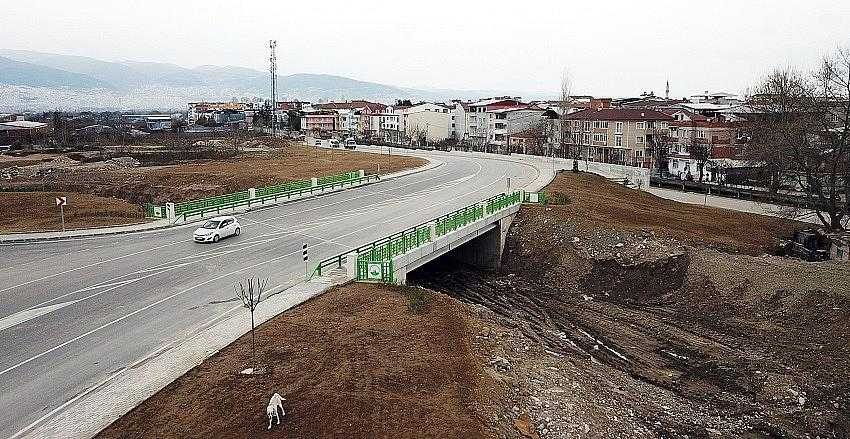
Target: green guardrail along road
x=282, y=188
x=374, y=261
x=262, y=194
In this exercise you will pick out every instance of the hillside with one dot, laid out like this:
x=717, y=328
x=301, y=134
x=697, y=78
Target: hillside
x=42, y=81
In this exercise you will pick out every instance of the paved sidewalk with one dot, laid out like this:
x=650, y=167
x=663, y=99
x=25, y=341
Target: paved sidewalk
x=97, y=407
x=80, y=233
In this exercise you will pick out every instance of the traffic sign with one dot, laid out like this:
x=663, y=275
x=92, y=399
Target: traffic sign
x=375, y=271
x=61, y=201
x=304, y=251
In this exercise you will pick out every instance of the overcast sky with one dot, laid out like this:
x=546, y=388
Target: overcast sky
x=611, y=48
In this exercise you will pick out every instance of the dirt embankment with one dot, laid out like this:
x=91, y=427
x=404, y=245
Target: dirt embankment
x=196, y=179
x=631, y=296
x=105, y=184
x=37, y=211
x=356, y=362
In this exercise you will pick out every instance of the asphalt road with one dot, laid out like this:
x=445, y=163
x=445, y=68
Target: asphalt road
x=74, y=311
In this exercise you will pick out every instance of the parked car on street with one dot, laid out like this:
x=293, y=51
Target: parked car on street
x=318, y=142
x=350, y=143
x=217, y=228
x=334, y=143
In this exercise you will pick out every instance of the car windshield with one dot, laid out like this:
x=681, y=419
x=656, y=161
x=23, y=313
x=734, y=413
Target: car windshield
x=211, y=225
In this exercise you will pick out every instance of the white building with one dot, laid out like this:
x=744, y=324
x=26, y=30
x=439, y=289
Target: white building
x=434, y=120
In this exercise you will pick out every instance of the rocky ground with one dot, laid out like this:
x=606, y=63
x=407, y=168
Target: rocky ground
x=623, y=330
x=607, y=319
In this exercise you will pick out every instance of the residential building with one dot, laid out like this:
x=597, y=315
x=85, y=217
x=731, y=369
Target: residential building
x=22, y=132
x=617, y=135
x=430, y=119
x=717, y=139
x=512, y=120
x=481, y=120
x=319, y=120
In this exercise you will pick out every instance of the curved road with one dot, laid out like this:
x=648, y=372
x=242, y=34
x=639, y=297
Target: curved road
x=74, y=311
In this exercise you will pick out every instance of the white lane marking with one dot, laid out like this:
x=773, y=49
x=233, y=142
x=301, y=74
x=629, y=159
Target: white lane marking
x=145, y=308
x=105, y=325
x=88, y=266
x=387, y=192
x=29, y=314
x=173, y=243
x=119, y=372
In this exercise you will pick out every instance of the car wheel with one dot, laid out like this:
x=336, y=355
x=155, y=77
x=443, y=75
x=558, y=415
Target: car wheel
x=215, y=238
x=238, y=231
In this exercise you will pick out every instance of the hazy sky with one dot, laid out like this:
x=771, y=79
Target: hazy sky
x=611, y=48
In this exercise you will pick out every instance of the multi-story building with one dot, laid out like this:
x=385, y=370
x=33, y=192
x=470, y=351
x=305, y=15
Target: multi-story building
x=384, y=125
x=481, y=120
x=429, y=119
x=694, y=138
x=617, y=135
x=353, y=115
x=319, y=120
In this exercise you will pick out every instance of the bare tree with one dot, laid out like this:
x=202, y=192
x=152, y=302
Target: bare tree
x=250, y=298
x=802, y=132
x=700, y=151
x=659, y=147
x=564, y=131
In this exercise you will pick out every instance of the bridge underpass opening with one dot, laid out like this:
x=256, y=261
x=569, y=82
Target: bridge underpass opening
x=482, y=252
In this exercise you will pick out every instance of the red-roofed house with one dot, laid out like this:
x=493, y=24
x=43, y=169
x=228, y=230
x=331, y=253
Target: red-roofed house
x=714, y=135
x=617, y=135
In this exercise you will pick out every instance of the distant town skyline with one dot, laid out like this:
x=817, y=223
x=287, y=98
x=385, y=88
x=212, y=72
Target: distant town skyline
x=610, y=48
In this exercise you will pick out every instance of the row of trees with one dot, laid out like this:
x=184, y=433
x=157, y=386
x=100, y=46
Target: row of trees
x=800, y=134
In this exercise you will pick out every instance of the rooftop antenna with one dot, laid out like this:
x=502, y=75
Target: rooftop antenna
x=273, y=72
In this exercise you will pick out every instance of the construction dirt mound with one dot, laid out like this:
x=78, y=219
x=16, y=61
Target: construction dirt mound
x=677, y=315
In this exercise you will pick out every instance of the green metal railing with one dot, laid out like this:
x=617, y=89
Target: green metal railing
x=541, y=197
x=240, y=198
x=277, y=196
x=339, y=177
x=382, y=251
x=284, y=187
x=210, y=202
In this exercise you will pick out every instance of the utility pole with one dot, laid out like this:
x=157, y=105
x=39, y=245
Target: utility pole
x=273, y=72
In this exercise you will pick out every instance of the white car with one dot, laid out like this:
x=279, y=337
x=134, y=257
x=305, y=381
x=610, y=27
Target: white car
x=217, y=228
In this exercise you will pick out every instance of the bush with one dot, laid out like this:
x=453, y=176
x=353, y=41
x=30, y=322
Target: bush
x=558, y=198
x=418, y=299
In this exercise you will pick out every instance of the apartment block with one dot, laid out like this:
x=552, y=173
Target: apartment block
x=617, y=135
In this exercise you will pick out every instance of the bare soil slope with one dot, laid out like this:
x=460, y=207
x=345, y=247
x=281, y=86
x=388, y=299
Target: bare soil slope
x=677, y=338
x=37, y=211
x=102, y=182
x=353, y=363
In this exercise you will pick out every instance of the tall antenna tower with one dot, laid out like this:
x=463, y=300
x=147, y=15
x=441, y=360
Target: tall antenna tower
x=273, y=72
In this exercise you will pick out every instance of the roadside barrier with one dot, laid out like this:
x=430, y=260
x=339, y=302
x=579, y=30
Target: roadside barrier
x=274, y=198
x=374, y=260
x=261, y=195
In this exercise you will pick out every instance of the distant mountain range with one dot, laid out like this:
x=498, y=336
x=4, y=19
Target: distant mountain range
x=43, y=81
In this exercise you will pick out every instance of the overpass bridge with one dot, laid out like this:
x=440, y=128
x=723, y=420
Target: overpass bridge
x=474, y=234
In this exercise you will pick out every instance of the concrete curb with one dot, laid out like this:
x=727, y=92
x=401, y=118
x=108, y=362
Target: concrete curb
x=98, y=406
x=165, y=224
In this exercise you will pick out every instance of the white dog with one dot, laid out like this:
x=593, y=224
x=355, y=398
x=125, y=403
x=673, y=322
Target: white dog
x=276, y=402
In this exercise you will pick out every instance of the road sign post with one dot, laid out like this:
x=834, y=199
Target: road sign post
x=61, y=202
x=306, y=257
